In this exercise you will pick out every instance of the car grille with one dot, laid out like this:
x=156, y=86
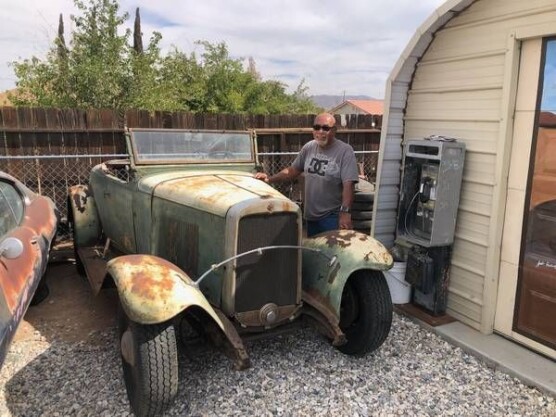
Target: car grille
x=272, y=276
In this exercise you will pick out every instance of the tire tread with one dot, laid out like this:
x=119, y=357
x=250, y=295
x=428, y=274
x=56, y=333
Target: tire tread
x=375, y=296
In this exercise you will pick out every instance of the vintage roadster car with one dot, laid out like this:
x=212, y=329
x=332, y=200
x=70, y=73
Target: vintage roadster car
x=27, y=228
x=192, y=240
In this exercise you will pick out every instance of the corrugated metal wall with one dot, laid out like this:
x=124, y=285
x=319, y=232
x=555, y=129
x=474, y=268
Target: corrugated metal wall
x=456, y=90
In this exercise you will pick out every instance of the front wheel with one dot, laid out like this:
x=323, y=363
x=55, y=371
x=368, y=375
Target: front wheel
x=150, y=364
x=365, y=312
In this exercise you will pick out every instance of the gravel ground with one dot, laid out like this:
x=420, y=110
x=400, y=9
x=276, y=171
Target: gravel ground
x=300, y=374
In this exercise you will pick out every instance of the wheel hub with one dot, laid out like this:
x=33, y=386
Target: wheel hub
x=127, y=347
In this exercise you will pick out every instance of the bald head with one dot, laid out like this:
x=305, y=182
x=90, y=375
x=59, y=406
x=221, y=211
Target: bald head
x=325, y=118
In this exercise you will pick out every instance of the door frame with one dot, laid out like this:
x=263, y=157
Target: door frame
x=500, y=293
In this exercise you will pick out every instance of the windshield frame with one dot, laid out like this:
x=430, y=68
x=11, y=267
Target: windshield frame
x=203, y=159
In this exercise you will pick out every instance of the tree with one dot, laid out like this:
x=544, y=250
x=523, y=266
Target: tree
x=100, y=69
x=60, y=41
x=94, y=70
x=137, y=34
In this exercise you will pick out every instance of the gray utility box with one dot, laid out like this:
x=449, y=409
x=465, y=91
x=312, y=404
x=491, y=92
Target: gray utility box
x=430, y=189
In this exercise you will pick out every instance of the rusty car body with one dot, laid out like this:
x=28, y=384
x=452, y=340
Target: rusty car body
x=27, y=228
x=190, y=238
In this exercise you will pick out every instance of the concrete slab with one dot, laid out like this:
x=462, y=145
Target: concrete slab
x=509, y=357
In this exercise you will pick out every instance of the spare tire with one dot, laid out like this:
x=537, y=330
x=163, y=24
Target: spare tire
x=361, y=215
x=362, y=206
x=364, y=197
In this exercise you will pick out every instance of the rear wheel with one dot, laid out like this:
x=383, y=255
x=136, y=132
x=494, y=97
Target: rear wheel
x=365, y=312
x=41, y=292
x=150, y=364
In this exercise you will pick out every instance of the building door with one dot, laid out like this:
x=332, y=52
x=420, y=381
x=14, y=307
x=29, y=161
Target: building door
x=527, y=286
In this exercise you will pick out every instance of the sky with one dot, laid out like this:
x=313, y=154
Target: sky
x=336, y=47
x=548, y=102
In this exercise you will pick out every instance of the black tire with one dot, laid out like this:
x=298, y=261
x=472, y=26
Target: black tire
x=361, y=215
x=364, y=206
x=365, y=312
x=151, y=379
x=362, y=224
x=41, y=292
x=363, y=197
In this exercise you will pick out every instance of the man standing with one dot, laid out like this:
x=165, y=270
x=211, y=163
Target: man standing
x=330, y=172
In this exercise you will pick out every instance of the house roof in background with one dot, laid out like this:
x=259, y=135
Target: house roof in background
x=547, y=119
x=368, y=106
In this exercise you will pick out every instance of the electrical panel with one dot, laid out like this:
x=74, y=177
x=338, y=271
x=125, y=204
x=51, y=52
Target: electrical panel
x=430, y=190
x=428, y=271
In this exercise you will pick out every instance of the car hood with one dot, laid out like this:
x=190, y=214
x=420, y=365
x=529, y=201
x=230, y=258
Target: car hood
x=214, y=193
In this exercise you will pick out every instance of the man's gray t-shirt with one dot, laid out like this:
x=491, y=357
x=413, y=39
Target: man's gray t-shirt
x=325, y=172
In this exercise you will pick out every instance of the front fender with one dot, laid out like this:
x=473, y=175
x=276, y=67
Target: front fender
x=153, y=290
x=352, y=250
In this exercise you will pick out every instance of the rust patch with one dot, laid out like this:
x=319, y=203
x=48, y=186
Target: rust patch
x=127, y=242
x=367, y=256
x=340, y=238
x=80, y=194
x=147, y=287
x=40, y=217
x=236, y=350
x=270, y=207
x=320, y=302
x=18, y=273
x=286, y=206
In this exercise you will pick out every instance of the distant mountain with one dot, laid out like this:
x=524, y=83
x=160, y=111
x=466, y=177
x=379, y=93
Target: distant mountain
x=328, y=102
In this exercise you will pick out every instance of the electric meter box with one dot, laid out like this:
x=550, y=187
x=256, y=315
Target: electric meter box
x=430, y=191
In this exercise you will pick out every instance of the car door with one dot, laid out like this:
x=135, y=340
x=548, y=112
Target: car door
x=114, y=200
x=20, y=262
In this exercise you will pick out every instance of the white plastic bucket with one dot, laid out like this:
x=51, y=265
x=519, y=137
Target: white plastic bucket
x=400, y=290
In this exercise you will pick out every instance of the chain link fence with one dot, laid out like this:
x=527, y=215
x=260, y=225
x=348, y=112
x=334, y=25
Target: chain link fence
x=52, y=175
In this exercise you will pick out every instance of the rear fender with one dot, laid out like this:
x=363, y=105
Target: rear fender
x=83, y=215
x=350, y=251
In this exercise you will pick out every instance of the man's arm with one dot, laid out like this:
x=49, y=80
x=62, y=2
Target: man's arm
x=347, y=201
x=286, y=174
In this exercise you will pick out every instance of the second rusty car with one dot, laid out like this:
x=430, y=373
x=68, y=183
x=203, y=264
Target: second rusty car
x=192, y=240
x=28, y=224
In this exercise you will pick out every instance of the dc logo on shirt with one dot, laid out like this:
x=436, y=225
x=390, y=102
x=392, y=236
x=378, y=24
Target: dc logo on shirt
x=317, y=166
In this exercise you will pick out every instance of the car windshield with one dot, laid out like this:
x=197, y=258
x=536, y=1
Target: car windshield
x=172, y=146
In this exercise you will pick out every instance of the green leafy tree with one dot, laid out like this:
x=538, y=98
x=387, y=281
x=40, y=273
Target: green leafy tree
x=92, y=72
x=100, y=69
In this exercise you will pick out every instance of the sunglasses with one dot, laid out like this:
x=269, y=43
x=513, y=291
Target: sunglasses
x=326, y=128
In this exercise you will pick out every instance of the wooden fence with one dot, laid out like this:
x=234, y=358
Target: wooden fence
x=48, y=131
x=51, y=149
